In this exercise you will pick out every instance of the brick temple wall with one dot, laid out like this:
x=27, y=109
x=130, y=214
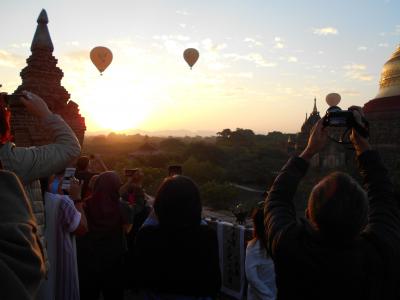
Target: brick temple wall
x=42, y=77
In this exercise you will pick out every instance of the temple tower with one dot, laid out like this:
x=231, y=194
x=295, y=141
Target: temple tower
x=42, y=77
x=383, y=112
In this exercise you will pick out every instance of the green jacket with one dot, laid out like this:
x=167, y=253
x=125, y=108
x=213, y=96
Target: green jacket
x=32, y=163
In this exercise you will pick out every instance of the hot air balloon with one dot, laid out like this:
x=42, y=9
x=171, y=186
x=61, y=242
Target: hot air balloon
x=333, y=99
x=101, y=58
x=191, y=55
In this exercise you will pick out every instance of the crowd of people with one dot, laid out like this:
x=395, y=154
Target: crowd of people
x=97, y=237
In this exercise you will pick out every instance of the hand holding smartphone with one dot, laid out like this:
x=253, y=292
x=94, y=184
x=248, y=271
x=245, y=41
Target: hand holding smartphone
x=68, y=175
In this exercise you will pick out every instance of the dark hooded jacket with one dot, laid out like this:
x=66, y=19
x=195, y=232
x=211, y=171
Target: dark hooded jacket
x=311, y=266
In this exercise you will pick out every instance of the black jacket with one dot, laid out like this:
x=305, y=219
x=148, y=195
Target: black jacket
x=181, y=261
x=311, y=267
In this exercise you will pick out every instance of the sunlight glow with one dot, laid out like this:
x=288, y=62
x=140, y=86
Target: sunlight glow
x=115, y=105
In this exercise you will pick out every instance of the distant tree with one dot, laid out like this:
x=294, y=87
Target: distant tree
x=152, y=179
x=202, y=171
x=239, y=137
x=218, y=195
x=206, y=152
x=224, y=134
x=172, y=145
x=155, y=161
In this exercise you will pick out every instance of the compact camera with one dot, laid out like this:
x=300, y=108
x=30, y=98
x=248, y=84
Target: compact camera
x=336, y=117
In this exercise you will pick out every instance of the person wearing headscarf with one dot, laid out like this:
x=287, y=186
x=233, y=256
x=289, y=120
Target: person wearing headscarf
x=100, y=252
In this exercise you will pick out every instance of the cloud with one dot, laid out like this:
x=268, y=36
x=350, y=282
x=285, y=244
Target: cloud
x=362, y=48
x=292, y=59
x=246, y=75
x=11, y=60
x=325, y=31
x=72, y=43
x=212, y=54
x=182, y=25
x=172, y=43
x=384, y=45
x=279, y=43
x=20, y=45
x=350, y=93
x=177, y=37
x=357, y=72
x=253, y=57
x=77, y=55
x=397, y=29
x=252, y=42
x=212, y=47
x=182, y=12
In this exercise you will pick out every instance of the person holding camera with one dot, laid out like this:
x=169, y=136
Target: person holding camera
x=348, y=247
x=32, y=163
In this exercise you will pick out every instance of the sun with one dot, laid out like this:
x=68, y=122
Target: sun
x=115, y=106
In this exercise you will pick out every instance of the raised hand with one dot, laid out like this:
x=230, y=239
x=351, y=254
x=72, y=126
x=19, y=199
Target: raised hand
x=316, y=142
x=360, y=143
x=35, y=105
x=75, y=189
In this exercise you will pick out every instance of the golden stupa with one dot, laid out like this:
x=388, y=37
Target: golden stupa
x=389, y=85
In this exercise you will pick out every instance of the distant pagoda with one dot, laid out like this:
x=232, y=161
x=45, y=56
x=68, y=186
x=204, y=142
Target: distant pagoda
x=42, y=77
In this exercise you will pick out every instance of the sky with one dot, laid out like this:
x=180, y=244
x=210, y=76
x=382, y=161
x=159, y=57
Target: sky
x=261, y=62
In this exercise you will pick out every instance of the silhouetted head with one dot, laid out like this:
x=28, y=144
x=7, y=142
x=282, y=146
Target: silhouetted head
x=103, y=210
x=338, y=207
x=177, y=203
x=83, y=163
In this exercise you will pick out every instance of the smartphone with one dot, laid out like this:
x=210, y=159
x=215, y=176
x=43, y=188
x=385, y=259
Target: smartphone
x=68, y=175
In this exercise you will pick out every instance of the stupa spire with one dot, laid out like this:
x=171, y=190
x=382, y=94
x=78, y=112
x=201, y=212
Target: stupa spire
x=41, y=39
x=43, y=77
x=315, y=106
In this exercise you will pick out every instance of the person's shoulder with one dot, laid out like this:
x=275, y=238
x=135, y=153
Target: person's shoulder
x=252, y=244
